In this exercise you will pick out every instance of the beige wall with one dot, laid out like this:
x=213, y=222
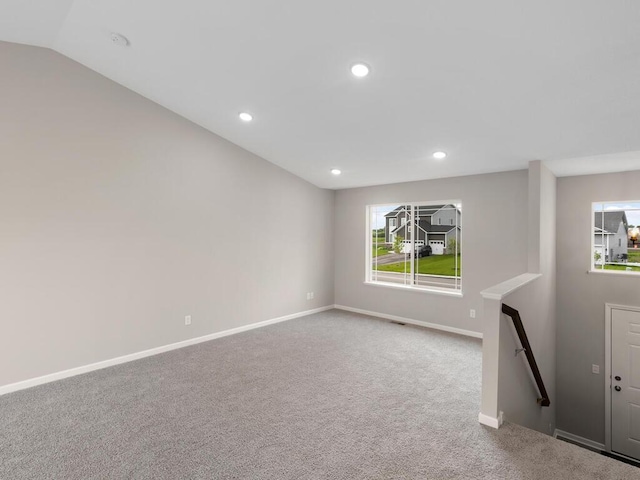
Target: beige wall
x=118, y=218
x=517, y=393
x=536, y=303
x=494, y=245
x=581, y=300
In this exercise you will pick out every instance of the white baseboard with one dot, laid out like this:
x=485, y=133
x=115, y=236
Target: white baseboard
x=411, y=321
x=577, y=439
x=52, y=377
x=489, y=421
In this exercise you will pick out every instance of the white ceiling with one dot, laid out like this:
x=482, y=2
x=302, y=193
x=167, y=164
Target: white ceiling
x=494, y=83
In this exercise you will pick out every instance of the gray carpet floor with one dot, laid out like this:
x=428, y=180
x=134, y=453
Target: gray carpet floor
x=333, y=396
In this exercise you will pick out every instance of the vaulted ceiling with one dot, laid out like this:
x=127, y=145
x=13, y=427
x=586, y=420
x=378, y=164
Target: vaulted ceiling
x=494, y=84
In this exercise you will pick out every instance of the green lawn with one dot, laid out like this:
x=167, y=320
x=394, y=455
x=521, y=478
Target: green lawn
x=621, y=267
x=634, y=256
x=434, y=265
x=381, y=250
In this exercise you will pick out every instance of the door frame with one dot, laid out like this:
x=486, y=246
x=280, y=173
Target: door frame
x=608, y=307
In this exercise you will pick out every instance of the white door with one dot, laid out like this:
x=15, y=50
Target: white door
x=625, y=382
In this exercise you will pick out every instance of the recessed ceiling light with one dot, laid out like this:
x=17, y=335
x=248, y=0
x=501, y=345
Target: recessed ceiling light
x=439, y=155
x=246, y=117
x=360, y=70
x=335, y=171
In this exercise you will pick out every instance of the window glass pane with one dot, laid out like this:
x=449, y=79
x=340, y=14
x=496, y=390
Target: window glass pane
x=616, y=236
x=416, y=245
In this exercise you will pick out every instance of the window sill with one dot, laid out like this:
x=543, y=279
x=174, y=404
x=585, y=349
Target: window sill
x=615, y=272
x=406, y=288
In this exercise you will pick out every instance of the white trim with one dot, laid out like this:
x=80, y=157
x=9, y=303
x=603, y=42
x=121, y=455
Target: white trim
x=410, y=288
x=498, y=292
x=52, y=377
x=420, y=323
x=492, y=422
x=423, y=203
x=577, y=439
x=368, y=245
x=602, y=271
x=607, y=376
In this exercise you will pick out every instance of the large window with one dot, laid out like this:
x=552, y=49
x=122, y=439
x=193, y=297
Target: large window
x=616, y=236
x=415, y=245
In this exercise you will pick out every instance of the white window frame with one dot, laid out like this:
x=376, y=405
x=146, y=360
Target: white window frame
x=457, y=291
x=593, y=266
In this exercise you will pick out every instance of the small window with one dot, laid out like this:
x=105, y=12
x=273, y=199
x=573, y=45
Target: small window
x=419, y=254
x=616, y=236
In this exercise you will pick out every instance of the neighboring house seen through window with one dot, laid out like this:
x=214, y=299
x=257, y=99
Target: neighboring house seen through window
x=616, y=235
x=415, y=245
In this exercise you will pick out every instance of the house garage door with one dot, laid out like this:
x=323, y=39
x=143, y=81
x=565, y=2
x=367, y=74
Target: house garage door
x=406, y=245
x=437, y=247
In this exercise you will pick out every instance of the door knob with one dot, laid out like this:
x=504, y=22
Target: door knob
x=618, y=388
x=617, y=377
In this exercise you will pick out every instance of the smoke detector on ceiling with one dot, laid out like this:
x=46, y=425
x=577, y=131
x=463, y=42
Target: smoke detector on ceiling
x=119, y=39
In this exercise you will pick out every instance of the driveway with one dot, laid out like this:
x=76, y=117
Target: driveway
x=391, y=258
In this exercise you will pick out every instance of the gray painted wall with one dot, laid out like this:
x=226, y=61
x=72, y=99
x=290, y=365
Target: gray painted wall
x=581, y=300
x=517, y=393
x=536, y=303
x=114, y=224
x=490, y=203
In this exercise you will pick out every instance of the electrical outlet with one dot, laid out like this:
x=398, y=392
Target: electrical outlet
x=595, y=368
x=472, y=313
x=187, y=320
x=309, y=295
x=312, y=295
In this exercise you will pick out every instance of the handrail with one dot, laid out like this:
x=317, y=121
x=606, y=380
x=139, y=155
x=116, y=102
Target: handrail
x=524, y=341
